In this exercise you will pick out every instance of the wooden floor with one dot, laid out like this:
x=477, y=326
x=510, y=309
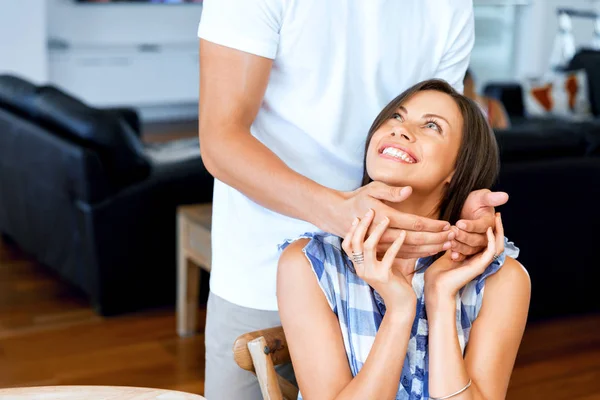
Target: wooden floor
x=49, y=335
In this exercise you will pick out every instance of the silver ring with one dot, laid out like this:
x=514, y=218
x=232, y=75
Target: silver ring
x=358, y=258
x=496, y=257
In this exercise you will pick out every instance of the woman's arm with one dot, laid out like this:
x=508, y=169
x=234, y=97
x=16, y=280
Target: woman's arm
x=316, y=345
x=493, y=343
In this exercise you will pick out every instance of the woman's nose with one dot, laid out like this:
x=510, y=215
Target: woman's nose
x=406, y=134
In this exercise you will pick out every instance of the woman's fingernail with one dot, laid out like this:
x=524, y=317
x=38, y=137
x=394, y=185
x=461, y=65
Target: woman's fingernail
x=454, y=256
x=385, y=221
x=447, y=227
x=368, y=214
x=355, y=222
x=461, y=225
x=447, y=246
x=451, y=236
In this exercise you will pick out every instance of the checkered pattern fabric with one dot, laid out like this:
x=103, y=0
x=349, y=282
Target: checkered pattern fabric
x=360, y=309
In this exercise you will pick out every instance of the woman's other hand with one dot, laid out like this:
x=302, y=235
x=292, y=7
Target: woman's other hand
x=477, y=216
x=445, y=277
x=396, y=292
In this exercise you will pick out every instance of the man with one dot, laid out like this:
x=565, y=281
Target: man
x=288, y=90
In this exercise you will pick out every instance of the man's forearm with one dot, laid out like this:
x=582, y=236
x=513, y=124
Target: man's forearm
x=241, y=161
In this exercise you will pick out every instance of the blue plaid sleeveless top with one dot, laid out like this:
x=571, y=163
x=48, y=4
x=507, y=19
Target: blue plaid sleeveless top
x=360, y=309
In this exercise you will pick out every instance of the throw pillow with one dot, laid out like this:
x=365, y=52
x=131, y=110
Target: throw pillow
x=560, y=94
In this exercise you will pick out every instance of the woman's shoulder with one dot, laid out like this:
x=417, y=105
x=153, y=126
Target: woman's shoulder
x=321, y=250
x=504, y=277
x=511, y=277
x=315, y=255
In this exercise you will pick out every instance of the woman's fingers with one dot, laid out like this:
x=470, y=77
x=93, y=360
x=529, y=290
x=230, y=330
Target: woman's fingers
x=358, y=238
x=370, y=246
x=347, y=242
x=392, y=252
x=490, y=251
x=499, y=234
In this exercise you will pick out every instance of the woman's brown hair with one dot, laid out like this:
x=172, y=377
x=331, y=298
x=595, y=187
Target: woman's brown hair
x=478, y=162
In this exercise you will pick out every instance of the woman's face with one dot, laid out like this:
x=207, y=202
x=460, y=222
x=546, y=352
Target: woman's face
x=418, y=146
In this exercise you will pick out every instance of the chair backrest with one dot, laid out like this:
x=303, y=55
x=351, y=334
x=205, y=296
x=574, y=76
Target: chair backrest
x=259, y=352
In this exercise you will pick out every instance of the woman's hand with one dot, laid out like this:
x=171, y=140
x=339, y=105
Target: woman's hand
x=476, y=216
x=445, y=277
x=396, y=292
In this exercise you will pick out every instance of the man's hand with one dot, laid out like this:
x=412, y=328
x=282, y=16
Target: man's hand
x=477, y=216
x=424, y=236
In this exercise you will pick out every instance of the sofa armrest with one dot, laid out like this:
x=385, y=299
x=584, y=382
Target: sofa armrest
x=129, y=116
x=509, y=94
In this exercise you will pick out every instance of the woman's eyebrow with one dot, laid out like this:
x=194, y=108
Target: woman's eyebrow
x=436, y=116
x=403, y=109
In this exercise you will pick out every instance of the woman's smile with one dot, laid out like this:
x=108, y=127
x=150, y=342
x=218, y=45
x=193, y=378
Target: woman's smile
x=398, y=154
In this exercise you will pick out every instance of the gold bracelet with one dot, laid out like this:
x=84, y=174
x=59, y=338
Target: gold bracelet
x=453, y=394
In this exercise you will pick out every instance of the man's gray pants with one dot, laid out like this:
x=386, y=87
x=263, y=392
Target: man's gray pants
x=225, y=321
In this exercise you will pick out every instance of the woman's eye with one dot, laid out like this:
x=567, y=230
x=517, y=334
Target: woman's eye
x=433, y=125
x=398, y=117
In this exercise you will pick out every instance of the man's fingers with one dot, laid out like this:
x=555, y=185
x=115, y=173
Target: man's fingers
x=427, y=238
x=495, y=199
x=475, y=226
x=424, y=250
x=381, y=191
x=461, y=248
x=414, y=223
x=470, y=239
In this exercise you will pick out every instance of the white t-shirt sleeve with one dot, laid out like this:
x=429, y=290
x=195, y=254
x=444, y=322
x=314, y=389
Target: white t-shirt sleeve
x=457, y=57
x=251, y=26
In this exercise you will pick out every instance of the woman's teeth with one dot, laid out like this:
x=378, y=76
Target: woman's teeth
x=397, y=153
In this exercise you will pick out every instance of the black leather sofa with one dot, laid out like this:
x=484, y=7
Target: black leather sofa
x=553, y=179
x=551, y=170
x=81, y=193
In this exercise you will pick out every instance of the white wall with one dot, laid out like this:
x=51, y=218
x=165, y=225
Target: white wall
x=539, y=32
x=122, y=23
x=143, y=55
x=23, y=39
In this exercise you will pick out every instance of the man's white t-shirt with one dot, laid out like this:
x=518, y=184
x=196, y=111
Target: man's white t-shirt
x=337, y=63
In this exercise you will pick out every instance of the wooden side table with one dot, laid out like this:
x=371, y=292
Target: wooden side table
x=94, y=393
x=193, y=252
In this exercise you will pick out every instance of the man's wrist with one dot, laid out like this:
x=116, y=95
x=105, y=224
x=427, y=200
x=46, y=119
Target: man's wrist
x=327, y=206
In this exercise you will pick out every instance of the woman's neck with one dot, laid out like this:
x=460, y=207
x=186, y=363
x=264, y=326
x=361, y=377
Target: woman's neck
x=424, y=205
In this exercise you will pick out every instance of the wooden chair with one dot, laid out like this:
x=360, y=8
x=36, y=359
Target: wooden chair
x=259, y=352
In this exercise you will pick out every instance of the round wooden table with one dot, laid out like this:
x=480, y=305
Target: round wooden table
x=93, y=393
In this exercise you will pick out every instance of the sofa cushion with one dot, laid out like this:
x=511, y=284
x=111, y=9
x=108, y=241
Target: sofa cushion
x=539, y=140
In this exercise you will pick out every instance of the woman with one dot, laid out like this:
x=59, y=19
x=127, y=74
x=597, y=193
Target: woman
x=492, y=108
x=377, y=327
